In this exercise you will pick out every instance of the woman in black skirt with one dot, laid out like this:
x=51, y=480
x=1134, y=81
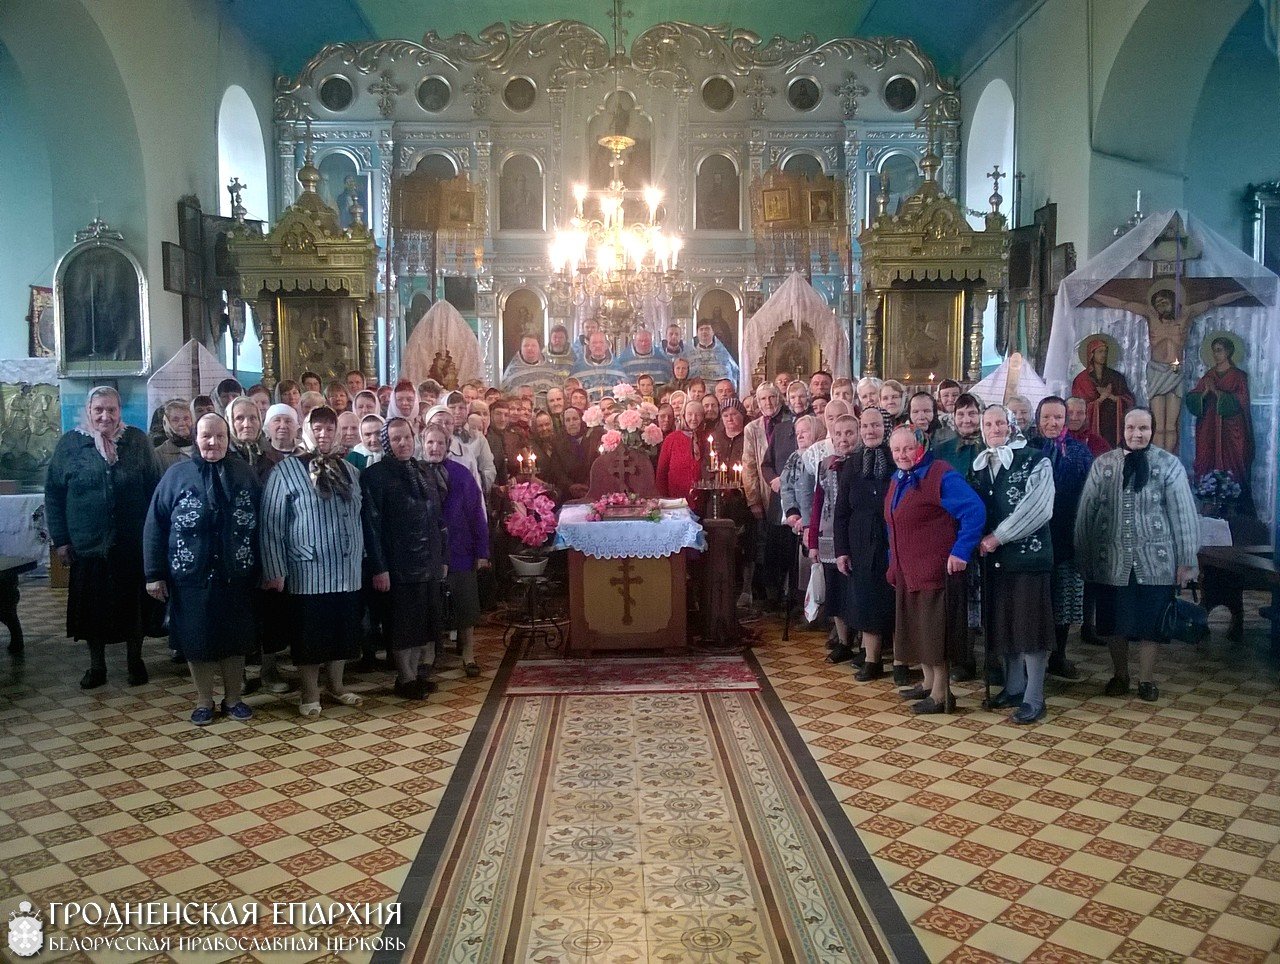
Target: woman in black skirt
x=404, y=540
x=96, y=494
x=201, y=554
x=861, y=543
x=1137, y=538
x=312, y=546
x=1015, y=483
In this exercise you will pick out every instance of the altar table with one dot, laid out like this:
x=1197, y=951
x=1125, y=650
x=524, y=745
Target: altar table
x=627, y=579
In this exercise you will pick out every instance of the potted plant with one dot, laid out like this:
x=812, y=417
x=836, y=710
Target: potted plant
x=532, y=520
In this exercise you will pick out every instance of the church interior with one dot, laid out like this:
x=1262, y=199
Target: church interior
x=1033, y=198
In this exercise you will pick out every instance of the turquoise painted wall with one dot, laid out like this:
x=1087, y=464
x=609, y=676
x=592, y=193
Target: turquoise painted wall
x=26, y=225
x=1236, y=131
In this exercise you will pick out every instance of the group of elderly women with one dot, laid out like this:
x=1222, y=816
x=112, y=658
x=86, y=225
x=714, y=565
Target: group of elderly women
x=1019, y=517
x=929, y=525
x=257, y=543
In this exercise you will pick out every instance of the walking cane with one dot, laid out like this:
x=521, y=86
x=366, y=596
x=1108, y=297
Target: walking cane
x=793, y=575
x=986, y=632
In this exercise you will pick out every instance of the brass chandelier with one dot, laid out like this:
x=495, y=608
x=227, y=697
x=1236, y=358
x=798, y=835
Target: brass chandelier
x=602, y=260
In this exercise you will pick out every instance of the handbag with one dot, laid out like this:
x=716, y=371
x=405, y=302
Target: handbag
x=1184, y=621
x=816, y=594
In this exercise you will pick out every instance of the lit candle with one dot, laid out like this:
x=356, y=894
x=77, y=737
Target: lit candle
x=930, y=379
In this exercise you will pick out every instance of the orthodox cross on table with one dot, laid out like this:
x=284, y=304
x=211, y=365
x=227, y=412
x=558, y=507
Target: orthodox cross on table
x=623, y=584
x=1170, y=302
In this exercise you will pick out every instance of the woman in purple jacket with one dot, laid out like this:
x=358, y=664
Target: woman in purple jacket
x=468, y=528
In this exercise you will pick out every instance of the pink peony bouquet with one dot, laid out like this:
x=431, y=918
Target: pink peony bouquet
x=630, y=420
x=532, y=519
x=593, y=417
x=624, y=391
x=652, y=435
x=611, y=440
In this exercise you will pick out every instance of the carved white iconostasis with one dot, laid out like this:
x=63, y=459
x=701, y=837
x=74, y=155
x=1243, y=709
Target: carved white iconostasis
x=518, y=110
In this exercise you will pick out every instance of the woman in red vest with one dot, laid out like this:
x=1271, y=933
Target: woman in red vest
x=935, y=520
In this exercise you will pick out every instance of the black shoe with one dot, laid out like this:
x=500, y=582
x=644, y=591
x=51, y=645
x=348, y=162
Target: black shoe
x=1064, y=669
x=138, y=675
x=840, y=654
x=471, y=669
x=94, y=677
x=916, y=692
x=1149, y=692
x=252, y=684
x=859, y=658
x=1117, y=686
x=1026, y=714
x=901, y=675
x=414, y=689
x=930, y=705
x=869, y=671
x=964, y=673
x=1005, y=700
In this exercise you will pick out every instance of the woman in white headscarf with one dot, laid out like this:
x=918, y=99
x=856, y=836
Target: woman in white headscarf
x=1015, y=483
x=312, y=547
x=96, y=494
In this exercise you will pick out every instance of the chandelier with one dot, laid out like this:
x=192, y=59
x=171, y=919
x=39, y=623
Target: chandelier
x=603, y=260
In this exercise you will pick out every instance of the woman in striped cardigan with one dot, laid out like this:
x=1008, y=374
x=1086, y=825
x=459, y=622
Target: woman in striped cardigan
x=312, y=545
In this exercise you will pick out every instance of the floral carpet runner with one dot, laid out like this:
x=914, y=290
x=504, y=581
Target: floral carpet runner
x=707, y=674
x=650, y=827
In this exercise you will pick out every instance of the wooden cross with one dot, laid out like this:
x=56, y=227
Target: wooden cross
x=623, y=584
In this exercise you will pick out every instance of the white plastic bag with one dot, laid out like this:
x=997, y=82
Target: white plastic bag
x=816, y=594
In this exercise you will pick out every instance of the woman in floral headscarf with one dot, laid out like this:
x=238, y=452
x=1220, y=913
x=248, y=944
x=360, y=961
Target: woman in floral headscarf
x=96, y=494
x=1015, y=483
x=312, y=545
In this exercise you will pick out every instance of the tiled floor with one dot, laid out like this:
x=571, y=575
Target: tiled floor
x=1115, y=830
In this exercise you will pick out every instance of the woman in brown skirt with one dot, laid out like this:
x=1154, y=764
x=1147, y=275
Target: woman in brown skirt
x=935, y=520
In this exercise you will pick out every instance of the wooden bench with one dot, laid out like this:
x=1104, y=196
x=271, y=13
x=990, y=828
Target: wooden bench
x=11, y=567
x=1226, y=571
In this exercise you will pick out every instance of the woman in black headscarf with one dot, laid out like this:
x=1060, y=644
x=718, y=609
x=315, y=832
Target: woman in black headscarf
x=1137, y=537
x=200, y=550
x=404, y=538
x=861, y=542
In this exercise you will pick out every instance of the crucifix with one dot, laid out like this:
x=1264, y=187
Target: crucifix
x=1169, y=302
x=623, y=584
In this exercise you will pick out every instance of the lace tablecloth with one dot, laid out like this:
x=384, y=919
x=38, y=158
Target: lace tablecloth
x=22, y=527
x=677, y=529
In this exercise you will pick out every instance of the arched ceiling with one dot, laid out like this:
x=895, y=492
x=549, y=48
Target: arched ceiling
x=954, y=32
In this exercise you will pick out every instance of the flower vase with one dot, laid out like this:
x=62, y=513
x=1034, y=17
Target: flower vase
x=529, y=564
